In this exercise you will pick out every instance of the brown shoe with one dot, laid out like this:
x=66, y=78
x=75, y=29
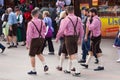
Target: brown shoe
x=59, y=68
x=73, y=69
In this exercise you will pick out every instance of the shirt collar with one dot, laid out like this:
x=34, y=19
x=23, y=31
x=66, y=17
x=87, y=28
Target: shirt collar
x=71, y=14
x=95, y=16
x=35, y=18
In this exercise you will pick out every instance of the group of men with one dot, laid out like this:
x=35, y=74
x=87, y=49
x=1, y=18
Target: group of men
x=74, y=32
x=12, y=33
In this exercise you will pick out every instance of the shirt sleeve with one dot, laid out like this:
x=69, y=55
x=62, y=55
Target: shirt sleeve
x=10, y=20
x=21, y=19
x=29, y=34
x=44, y=29
x=81, y=30
x=92, y=26
x=3, y=17
x=63, y=26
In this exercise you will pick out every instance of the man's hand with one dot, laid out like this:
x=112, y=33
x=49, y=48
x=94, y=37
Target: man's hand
x=85, y=38
x=79, y=42
x=27, y=48
x=56, y=40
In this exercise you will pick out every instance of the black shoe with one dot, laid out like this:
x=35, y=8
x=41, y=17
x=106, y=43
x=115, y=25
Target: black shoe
x=59, y=68
x=3, y=49
x=51, y=53
x=17, y=43
x=46, y=68
x=66, y=57
x=67, y=72
x=82, y=61
x=15, y=46
x=96, y=61
x=11, y=46
x=99, y=68
x=73, y=69
x=32, y=73
x=76, y=74
x=85, y=65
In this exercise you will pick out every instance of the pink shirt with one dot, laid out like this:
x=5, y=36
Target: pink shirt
x=95, y=26
x=67, y=28
x=32, y=31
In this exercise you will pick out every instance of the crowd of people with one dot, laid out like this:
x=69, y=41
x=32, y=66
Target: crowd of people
x=72, y=31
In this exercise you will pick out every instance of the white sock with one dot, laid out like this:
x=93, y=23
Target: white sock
x=62, y=57
x=76, y=65
x=88, y=59
x=11, y=43
x=15, y=43
x=33, y=69
x=69, y=65
x=43, y=63
x=100, y=61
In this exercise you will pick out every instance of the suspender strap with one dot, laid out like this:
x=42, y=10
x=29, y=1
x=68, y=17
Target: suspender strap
x=75, y=32
x=38, y=29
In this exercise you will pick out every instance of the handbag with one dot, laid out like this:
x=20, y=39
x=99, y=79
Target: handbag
x=49, y=32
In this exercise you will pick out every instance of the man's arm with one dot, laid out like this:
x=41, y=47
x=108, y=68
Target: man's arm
x=29, y=34
x=63, y=26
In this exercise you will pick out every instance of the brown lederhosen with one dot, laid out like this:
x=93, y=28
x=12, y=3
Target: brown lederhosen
x=36, y=43
x=70, y=45
x=13, y=32
x=95, y=44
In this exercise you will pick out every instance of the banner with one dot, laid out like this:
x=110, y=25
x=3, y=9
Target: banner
x=110, y=26
x=2, y=2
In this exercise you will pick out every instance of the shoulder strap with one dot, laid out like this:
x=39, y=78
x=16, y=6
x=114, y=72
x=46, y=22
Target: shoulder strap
x=75, y=32
x=38, y=29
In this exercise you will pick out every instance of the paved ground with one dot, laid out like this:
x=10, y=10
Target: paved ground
x=14, y=64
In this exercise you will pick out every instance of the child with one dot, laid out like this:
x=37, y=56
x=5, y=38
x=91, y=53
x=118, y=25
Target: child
x=117, y=44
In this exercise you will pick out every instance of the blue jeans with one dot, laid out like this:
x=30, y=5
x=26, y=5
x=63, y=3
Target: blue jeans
x=85, y=48
x=1, y=46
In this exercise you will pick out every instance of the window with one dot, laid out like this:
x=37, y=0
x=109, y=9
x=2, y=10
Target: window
x=109, y=7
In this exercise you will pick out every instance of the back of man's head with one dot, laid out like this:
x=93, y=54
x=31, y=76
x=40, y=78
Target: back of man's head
x=9, y=10
x=34, y=12
x=70, y=9
x=93, y=10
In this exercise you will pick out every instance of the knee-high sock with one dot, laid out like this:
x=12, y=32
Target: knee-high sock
x=88, y=59
x=100, y=61
x=43, y=63
x=33, y=69
x=76, y=65
x=69, y=65
x=62, y=57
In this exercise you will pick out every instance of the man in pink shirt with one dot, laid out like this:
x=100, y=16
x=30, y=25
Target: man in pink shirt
x=72, y=31
x=94, y=25
x=35, y=40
